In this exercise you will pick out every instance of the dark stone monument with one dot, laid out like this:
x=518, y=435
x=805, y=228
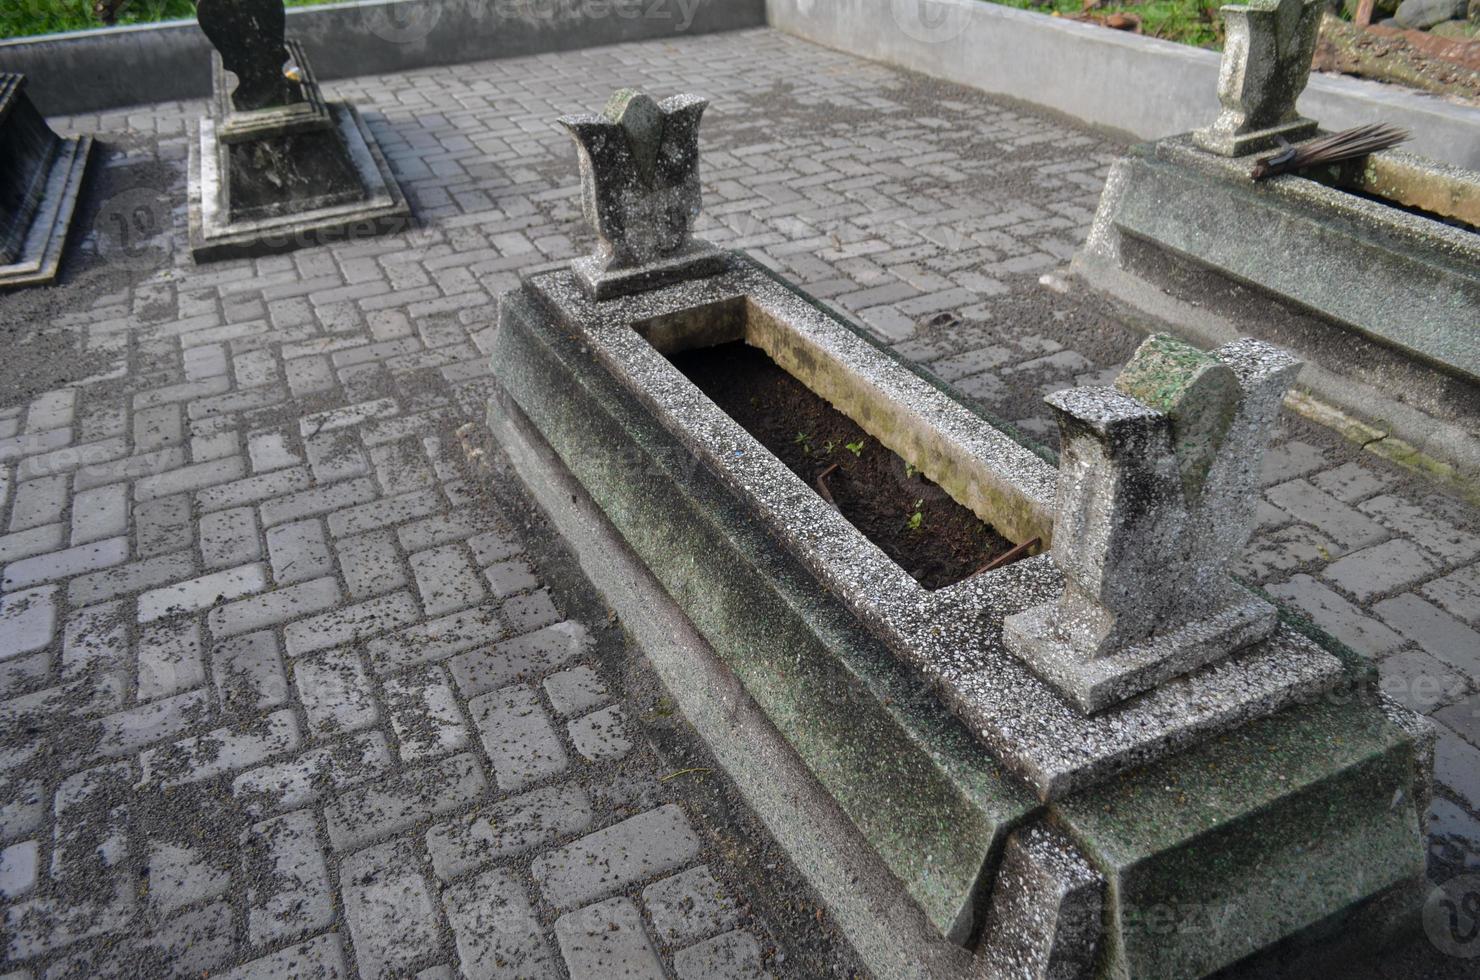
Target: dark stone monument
x=277, y=167
x=40, y=176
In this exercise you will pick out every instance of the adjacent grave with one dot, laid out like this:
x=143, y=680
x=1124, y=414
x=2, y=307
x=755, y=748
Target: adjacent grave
x=274, y=166
x=40, y=177
x=1033, y=804
x=1377, y=278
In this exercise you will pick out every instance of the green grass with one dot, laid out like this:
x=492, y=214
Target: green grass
x=1188, y=21
x=21, y=18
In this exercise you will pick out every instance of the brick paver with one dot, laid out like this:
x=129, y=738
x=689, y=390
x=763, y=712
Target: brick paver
x=282, y=695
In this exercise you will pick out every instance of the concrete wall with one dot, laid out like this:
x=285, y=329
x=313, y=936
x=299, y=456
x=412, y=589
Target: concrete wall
x=90, y=71
x=1123, y=82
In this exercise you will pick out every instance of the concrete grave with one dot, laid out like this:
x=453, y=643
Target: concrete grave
x=274, y=166
x=1369, y=268
x=40, y=177
x=1266, y=779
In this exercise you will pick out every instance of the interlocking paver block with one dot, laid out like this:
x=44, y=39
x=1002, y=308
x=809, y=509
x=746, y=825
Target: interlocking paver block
x=64, y=564
x=425, y=714
x=100, y=513
x=351, y=623
x=576, y=690
x=183, y=875
x=272, y=608
x=299, y=781
x=523, y=657
x=28, y=620
x=634, y=850
x=446, y=580
x=336, y=693
x=1386, y=567
x=221, y=750
x=248, y=672
x=509, y=827
x=689, y=906
x=607, y=940
x=1439, y=633
x=229, y=537
x=320, y=958
x=299, y=552
x=394, y=804
x=201, y=593
x=392, y=921
x=170, y=659
x=371, y=564
x=1337, y=616
x=518, y=736
x=498, y=936
x=288, y=890
x=733, y=956
x=602, y=735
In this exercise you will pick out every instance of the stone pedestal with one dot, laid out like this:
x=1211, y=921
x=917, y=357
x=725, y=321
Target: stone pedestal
x=277, y=178
x=1266, y=62
x=40, y=177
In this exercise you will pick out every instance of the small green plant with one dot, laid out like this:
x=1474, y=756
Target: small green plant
x=805, y=441
x=856, y=448
x=910, y=471
x=916, y=519
x=829, y=447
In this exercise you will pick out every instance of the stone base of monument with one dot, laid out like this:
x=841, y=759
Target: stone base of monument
x=1250, y=800
x=273, y=180
x=43, y=174
x=1369, y=271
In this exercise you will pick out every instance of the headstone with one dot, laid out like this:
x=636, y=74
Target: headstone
x=40, y=178
x=1267, y=51
x=1156, y=498
x=276, y=166
x=640, y=193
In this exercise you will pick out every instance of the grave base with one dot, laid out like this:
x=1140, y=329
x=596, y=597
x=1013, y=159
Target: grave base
x=40, y=256
x=880, y=795
x=379, y=208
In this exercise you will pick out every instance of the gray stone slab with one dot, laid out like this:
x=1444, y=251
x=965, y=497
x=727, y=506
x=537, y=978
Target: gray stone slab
x=392, y=918
x=689, y=907
x=498, y=936
x=624, y=854
x=607, y=940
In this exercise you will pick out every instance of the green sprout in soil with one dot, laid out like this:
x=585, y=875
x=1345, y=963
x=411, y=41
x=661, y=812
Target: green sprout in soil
x=856, y=448
x=910, y=471
x=805, y=441
x=917, y=518
x=829, y=447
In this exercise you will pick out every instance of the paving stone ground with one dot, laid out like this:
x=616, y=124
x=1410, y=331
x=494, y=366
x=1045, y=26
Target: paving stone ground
x=286, y=693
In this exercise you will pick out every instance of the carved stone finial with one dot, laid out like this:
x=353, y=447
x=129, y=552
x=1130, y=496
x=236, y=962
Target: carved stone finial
x=640, y=192
x=249, y=35
x=1267, y=52
x=1156, y=498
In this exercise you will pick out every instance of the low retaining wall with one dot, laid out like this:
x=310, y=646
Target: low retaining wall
x=1141, y=86
x=91, y=71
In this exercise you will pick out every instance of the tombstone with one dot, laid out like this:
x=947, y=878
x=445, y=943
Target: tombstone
x=276, y=167
x=40, y=177
x=1267, y=51
x=1158, y=480
x=640, y=193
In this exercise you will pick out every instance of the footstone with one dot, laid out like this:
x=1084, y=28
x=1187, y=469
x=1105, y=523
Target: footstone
x=40, y=177
x=275, y=166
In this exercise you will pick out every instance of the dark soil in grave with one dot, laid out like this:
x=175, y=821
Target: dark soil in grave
x=869, y=484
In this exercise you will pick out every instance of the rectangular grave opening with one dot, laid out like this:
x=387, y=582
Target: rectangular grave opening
x=725, y=350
